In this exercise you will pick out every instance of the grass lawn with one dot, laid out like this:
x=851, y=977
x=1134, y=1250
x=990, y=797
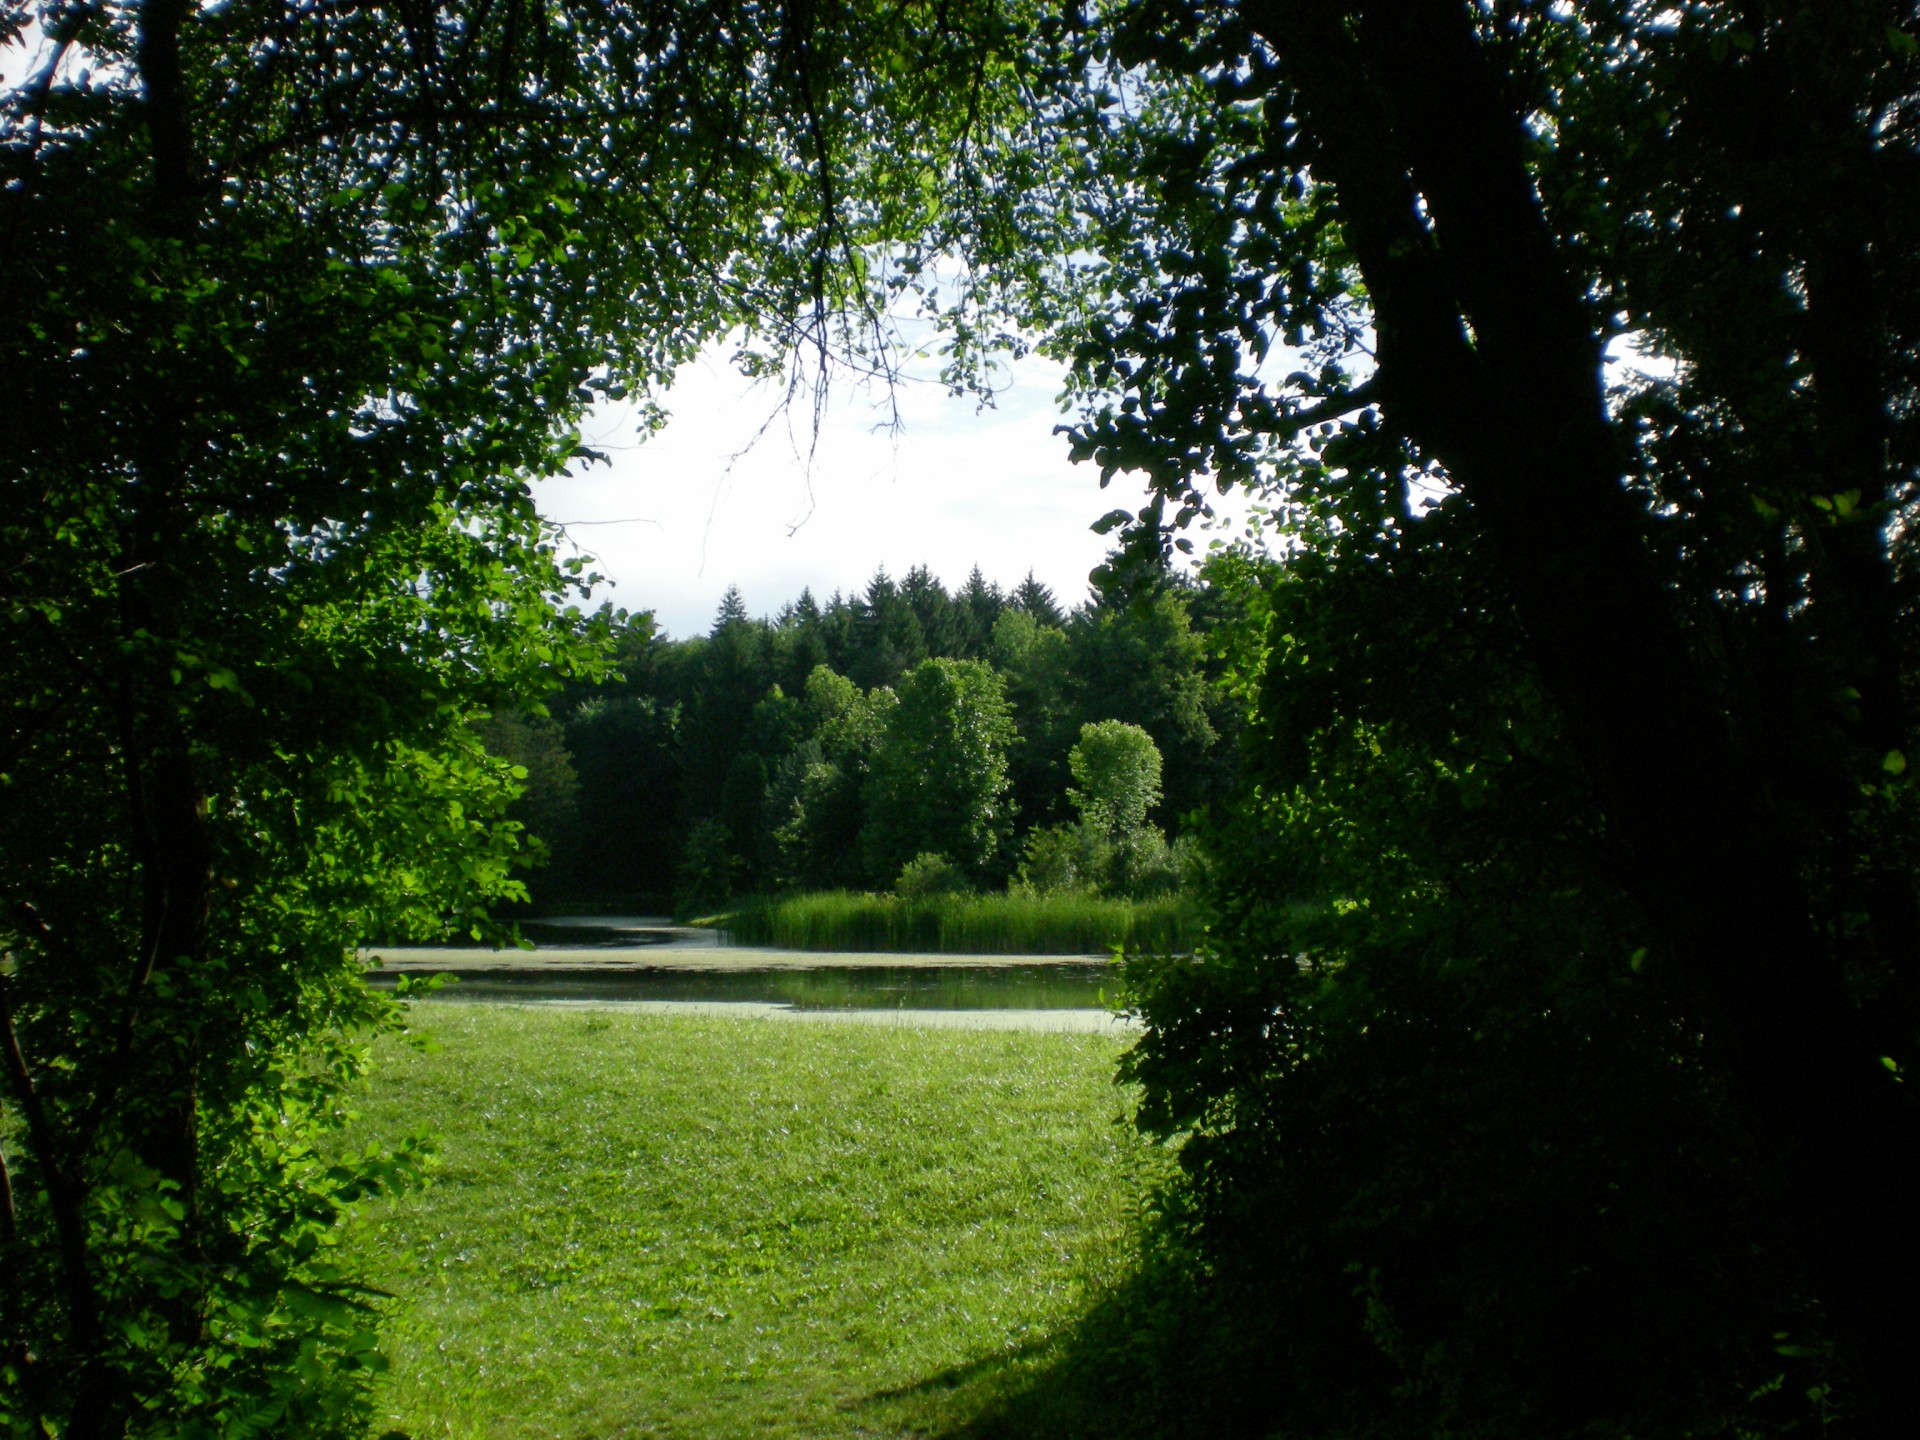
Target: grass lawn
x=690, y=1226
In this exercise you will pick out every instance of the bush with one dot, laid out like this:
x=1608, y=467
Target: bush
x=1055, y=861
x=1135, y=864
x=927, y=875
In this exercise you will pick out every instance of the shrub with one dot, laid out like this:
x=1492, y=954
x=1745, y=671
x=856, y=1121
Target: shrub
x=928, y=874
x=1137, y=864
x=1055, y=861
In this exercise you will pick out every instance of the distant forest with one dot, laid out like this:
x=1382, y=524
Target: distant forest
x=755, y=758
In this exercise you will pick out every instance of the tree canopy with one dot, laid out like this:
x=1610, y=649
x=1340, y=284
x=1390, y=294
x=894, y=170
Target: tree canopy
x=1116, y=772
x=300, y=301
x=1574, y=346
x=761, y=727
x=939, y=783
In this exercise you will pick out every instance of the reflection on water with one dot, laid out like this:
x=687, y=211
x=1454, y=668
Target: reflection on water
x=570, y=935
x=575, y=935
x=863, y=987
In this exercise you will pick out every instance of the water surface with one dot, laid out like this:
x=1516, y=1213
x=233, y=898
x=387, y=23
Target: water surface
x=1074, y=985
x=650, y=963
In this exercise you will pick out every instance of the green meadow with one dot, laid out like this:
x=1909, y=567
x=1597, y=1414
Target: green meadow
x=692, y=1226
x=1008, y=924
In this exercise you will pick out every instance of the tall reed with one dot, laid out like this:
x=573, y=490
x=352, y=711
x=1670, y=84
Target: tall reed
x=962, y=924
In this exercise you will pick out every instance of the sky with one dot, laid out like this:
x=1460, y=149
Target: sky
x=728, y=493
x=704, y=504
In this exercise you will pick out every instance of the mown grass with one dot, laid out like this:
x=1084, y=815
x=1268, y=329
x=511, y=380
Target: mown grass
x=703, y=1227
x=962, y=924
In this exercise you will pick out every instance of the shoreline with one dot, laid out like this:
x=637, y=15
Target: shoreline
x=658, y=944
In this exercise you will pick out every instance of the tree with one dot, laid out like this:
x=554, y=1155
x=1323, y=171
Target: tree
x=980, y=604
x=1435, y=1116
x=1137, y=659
x=1372, y=258
x=939, y=783
x=933, y=608
x=888, y=635
x=1116, y=773
x=1035, y=660
x=708, y=869
x=800, y=642
x=730, y=674
x=303, y=302
x=819, y=837
x=749, y=809
x=1036, y=600
x=624, y=750
x=732, y=613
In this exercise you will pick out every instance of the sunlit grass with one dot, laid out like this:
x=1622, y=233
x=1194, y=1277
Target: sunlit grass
x=705, y=1227
x=961, y=924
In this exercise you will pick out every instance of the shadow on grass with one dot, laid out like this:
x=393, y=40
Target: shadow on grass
x=1154, y=1359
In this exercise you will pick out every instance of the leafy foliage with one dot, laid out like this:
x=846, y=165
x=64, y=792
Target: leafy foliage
x=764, y=726
x=1573, y=346
x=1449, y=1161
x=939, y=781
x=305, y=301
x=930, y=874
x=1116, y=768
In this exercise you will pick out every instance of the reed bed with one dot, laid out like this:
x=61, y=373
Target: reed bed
x=963, y=924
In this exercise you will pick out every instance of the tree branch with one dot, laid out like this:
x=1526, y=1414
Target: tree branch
x=1333, y=407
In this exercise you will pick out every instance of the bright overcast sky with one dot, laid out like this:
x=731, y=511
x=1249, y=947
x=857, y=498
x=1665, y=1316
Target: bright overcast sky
x=675, y=520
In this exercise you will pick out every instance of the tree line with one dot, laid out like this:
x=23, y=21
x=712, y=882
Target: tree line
x=832, y=744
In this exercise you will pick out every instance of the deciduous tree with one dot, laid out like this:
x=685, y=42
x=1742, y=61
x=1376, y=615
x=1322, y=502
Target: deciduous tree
x=1374, y=257
x=300, y=301
x=939, y=783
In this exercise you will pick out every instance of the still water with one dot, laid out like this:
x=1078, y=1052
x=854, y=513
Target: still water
x=1073, y=985
x=650, y=963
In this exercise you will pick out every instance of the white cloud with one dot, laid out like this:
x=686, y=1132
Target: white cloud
x=954, y=487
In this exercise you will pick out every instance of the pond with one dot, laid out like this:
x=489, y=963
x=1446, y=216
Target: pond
x=1074, y=985
x=650, y=962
